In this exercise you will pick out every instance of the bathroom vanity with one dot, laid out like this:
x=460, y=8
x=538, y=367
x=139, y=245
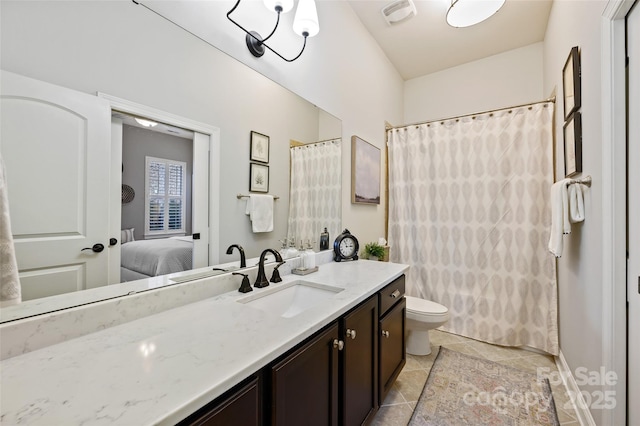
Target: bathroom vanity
x=226, y=358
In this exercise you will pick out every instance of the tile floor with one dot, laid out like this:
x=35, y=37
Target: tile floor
x=397, y=408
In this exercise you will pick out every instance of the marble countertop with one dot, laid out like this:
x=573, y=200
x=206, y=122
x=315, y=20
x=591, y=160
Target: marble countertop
x=161, y=368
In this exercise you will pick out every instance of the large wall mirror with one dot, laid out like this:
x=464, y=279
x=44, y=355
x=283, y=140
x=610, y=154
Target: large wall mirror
x=178, y=73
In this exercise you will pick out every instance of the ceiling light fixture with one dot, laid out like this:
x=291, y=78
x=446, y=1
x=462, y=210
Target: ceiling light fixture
x=145, y=123
x=464, y=13
x=305, y=24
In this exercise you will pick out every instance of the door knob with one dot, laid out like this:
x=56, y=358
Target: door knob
x=113, y=241
x=97, y=248
x=385, y=333
x=351, y=333
x=339, y=344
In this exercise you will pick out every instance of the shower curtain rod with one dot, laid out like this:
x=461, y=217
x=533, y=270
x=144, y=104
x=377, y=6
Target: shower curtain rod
x=302, y=145
x=552, y=99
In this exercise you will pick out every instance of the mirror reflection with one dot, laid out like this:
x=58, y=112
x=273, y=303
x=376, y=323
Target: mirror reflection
x=168, y=216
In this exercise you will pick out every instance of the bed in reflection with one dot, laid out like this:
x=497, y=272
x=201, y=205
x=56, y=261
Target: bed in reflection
x=149, y=258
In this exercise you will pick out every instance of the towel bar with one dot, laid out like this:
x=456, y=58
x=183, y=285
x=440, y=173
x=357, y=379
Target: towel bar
x=585, y=180
x=239, y=196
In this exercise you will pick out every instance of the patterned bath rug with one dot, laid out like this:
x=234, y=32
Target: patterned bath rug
x=465, y=390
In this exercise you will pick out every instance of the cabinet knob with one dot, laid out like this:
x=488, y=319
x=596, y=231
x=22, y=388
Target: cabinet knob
x=351, y=333
x=395, y=294
x=338, y=344
x=385, y=333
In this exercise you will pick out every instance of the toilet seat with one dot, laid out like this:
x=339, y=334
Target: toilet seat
x=425, y=310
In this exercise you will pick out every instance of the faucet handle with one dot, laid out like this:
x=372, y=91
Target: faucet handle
x=275, y=277
x=245, y=287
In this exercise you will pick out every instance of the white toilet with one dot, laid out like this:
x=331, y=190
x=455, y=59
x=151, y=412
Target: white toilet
x=422, y=316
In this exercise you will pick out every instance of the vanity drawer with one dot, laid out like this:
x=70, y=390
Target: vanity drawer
x=391, y=294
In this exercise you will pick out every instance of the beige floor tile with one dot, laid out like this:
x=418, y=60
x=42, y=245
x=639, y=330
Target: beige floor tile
x=439, y=338
x=393, y=415
x=424, y=362
x=494, y=352
x=394, y=397
x=464, y=348
x=413, y=363
x=411, y=383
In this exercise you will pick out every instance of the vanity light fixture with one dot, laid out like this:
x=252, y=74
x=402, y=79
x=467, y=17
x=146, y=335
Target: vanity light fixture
x=145, y=122
x=305, y=24
x=465, y=13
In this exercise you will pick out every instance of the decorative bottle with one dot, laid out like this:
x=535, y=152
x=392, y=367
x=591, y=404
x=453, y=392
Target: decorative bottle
x=324, y=240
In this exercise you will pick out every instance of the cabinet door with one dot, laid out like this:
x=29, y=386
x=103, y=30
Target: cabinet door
x=240, y=407
x=392, y=346
x=360, y=364
x=305, y=383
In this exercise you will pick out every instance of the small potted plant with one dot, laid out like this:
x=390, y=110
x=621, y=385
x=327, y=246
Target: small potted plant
x=374, y=251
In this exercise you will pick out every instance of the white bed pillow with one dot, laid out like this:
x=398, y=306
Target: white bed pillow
x=126, y=235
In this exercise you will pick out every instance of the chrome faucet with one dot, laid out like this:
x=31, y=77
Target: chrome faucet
x=261, y=279
x=243, y=259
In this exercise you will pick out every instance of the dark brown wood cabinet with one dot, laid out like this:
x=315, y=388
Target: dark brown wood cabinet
x=392, y=355
x=242, y=405
x=392, y=347
x=359, y=385
x=304, y=384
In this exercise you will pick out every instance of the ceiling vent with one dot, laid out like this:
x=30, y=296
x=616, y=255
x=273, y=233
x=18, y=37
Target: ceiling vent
x=399, y=11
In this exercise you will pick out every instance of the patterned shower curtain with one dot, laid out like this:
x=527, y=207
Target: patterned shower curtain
x=469, y=210
x=315, y=199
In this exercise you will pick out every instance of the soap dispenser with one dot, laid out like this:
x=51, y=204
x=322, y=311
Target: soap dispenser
x=324, y=240
x=310, y=256
x=293, y=251
x=284, y=252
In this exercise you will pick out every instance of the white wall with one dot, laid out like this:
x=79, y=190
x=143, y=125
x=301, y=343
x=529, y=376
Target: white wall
x=499, y=81
x=577, y=23
x=125, y=50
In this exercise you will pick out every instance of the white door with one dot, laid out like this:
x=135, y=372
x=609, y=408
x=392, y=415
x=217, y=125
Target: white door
x=55, y=143
x=633, y=279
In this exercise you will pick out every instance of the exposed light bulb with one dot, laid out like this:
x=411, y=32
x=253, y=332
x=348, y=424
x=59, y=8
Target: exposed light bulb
x=306, y=19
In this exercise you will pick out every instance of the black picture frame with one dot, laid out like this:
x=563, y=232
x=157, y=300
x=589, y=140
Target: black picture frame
x=573, y=145
x=259, y=147
x=258, y=177
x=572, y=95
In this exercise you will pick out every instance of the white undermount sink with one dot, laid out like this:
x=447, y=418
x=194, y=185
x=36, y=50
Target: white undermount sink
x=290, y=299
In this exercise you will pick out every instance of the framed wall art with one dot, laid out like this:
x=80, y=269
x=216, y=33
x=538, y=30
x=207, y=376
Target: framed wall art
x=259, y=147
x=365, y=172
x=573, y=145
x=258, y=177
x=571, y=83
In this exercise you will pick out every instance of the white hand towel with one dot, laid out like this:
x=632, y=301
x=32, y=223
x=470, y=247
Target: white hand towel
x=10, y=291
x=576, y=203
x=560, y=223
x=260, y=211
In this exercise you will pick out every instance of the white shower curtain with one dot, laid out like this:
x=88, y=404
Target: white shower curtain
x=469, y=210
x=315, y=198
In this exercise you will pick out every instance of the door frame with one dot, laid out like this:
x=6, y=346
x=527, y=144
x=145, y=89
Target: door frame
x=614, y=187
x=213, y=133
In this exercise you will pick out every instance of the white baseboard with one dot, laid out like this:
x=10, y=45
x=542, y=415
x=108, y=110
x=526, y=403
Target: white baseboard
x=582, y=412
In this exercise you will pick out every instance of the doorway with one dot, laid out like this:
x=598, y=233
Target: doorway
x=205, y=185
x=156, y=208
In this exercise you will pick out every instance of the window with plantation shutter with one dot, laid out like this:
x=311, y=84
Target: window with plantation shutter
x=165, y=196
